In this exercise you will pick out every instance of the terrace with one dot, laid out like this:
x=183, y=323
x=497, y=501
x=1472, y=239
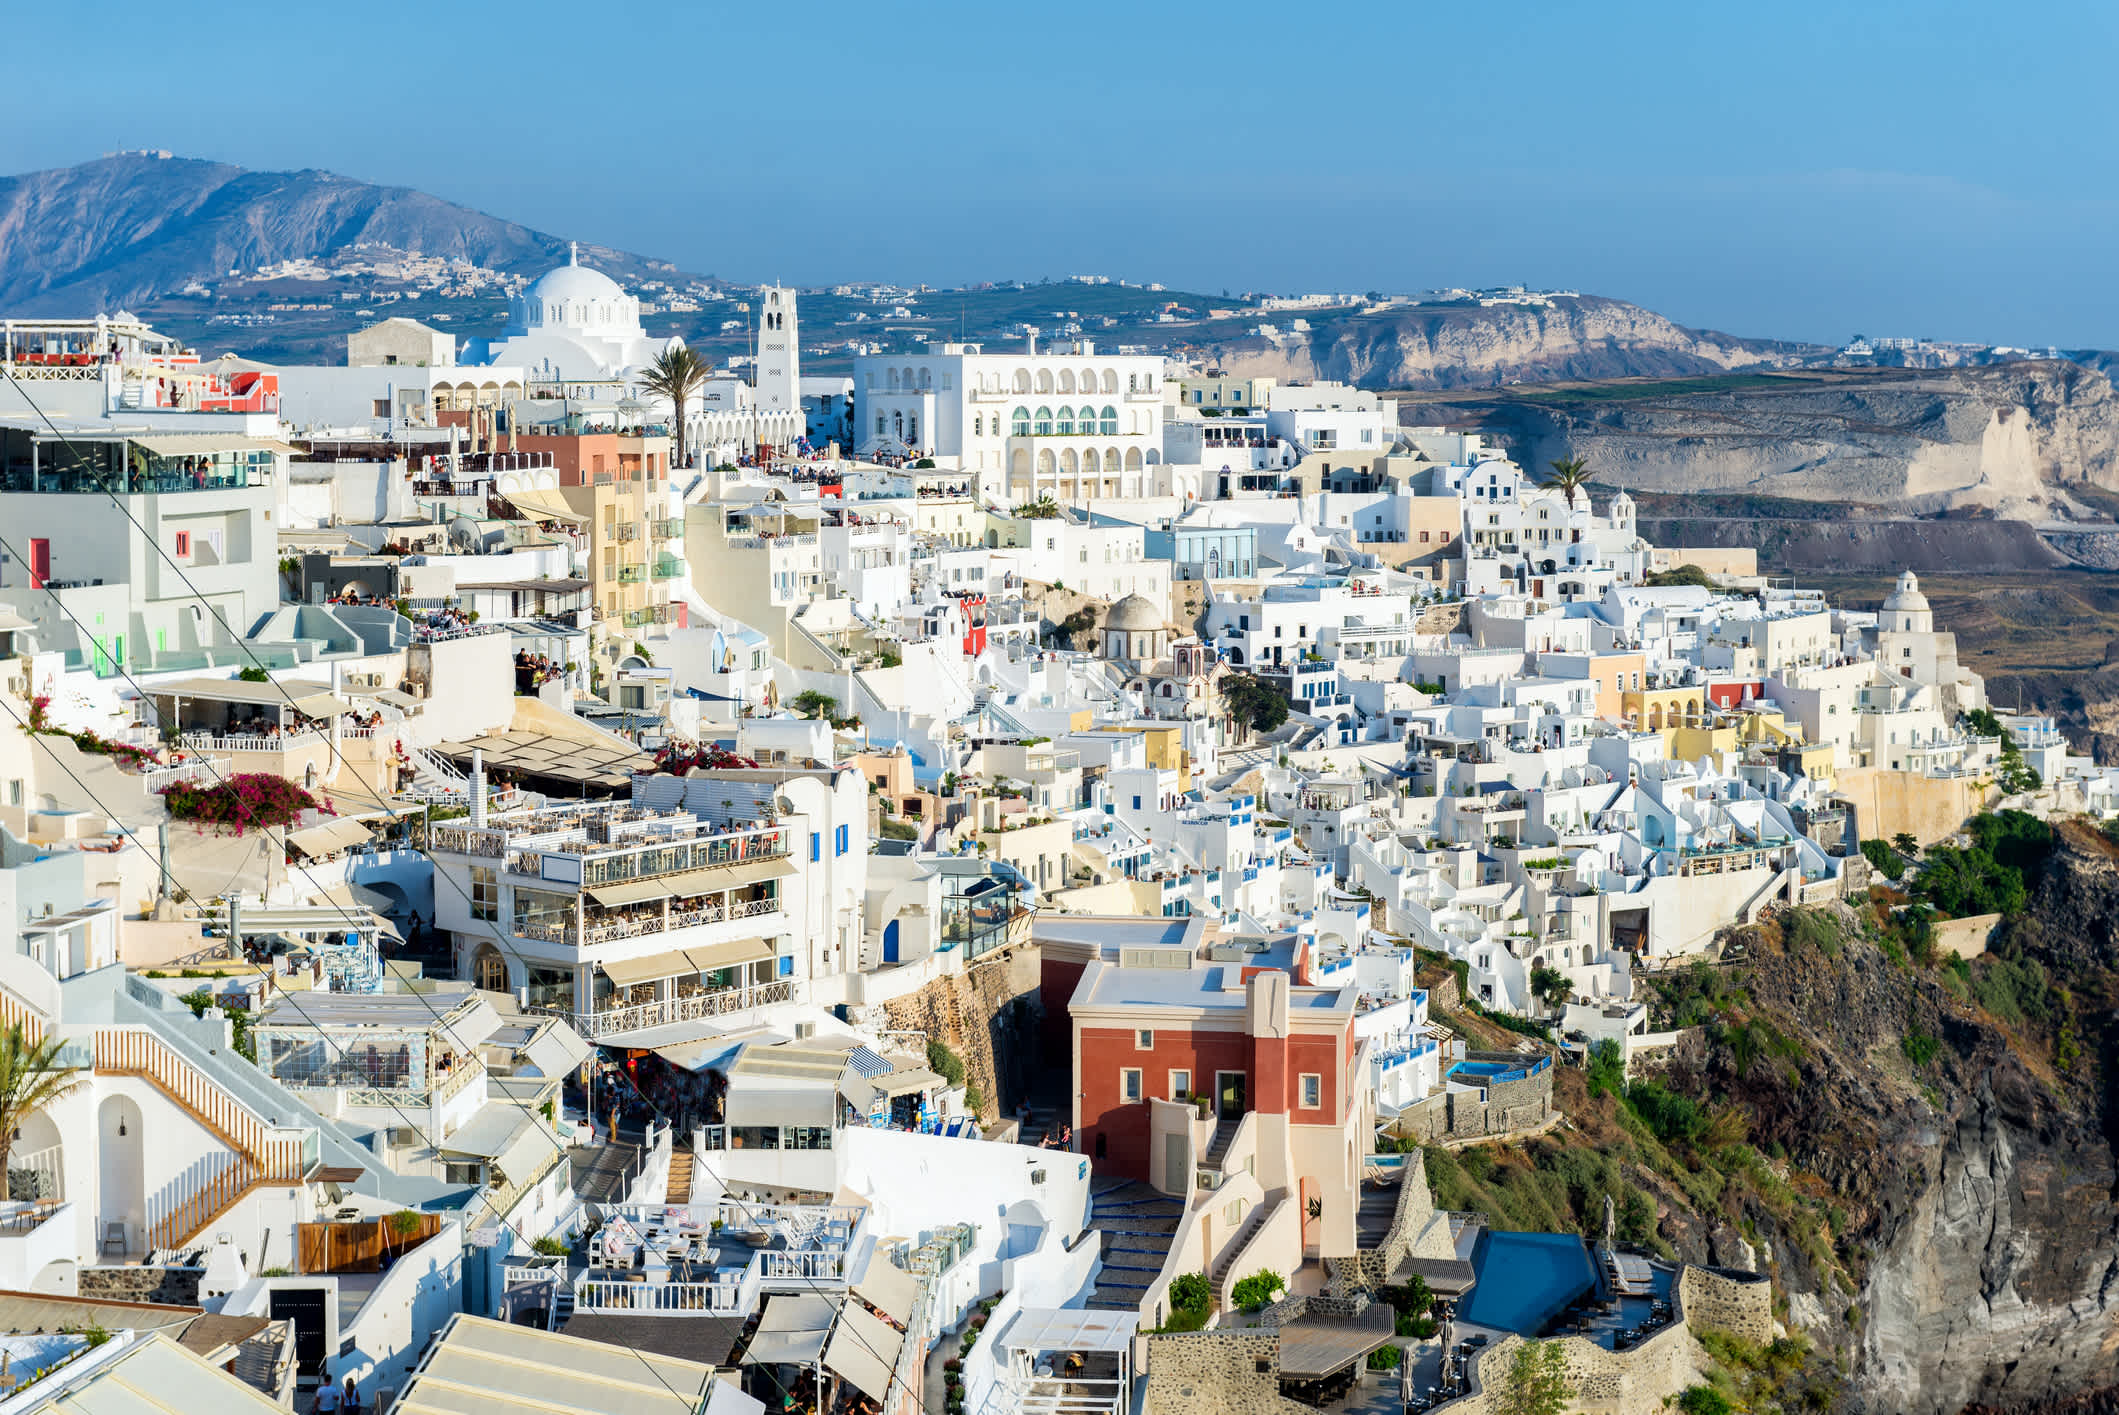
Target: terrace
x=713, y=1260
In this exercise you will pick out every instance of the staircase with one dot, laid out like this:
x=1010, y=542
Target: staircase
x=1233, y=1249
x=432, y=778
x=1138, y=1226
x=1379, y=1209
x=680, y=1190
x=1218, y=1145
x=562, y=1307
x=258, y=1155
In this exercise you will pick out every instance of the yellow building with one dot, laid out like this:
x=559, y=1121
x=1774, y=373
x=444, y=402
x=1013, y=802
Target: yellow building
x=1661, y=709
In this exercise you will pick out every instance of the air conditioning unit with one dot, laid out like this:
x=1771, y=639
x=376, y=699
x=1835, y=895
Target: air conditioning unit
x=403, y=1137
x=805, y=1030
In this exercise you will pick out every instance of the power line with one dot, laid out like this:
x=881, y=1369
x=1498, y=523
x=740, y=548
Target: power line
x=338, y=754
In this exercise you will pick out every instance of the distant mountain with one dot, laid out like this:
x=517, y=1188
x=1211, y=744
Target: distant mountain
x=125, y=230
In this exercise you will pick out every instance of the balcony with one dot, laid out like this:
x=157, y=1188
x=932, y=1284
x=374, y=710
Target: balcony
x=624, y=534
x=671, y=528
x=614, y=928
x=716, y=1002
x=633, y=574
x=669, y=567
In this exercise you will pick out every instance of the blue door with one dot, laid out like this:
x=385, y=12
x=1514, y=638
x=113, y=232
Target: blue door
x=890, y=942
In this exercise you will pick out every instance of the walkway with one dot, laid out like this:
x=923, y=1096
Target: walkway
x=1138, y=1225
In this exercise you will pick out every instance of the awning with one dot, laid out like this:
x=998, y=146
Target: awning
x=528, y=1151
x=331, y=835
x=556, y=1050
x=194, y=444
x=544, y=506
x=677, y=962
x=864, y=1349
x=772, y=1102
x=792, y=1331
x=312, y=699
x=632, y=891
x=888, y=1288
x=752, y=871
x=904, y=1083
x=489, y=1131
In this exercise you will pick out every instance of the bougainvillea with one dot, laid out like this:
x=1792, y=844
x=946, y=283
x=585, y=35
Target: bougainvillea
x=124, y=753
x=679, y=758
x=241, y=802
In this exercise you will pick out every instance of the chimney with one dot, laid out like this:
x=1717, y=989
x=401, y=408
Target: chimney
x=1030, y=343
x=475, y=784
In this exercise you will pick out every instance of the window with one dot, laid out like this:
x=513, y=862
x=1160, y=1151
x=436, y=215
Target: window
x=816, y=846
x=485, y=893
x=14, y=791
x=1129, y=1084
x=978, y=426
x=1180, y=1084
x=1022, y=422
x=1144, y=1039
x=1110, y=422
x=184, y=543
x=1066, y=422
x=881, y=426
x=1044, y=422
x=844, y=833
x=1312, y=1090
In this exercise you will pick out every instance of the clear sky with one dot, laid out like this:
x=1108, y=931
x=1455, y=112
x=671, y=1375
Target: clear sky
x=1802, y=170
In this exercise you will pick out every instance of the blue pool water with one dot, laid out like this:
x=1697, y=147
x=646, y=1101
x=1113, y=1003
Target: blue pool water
x=1524, y=1278
x=1476, y=1072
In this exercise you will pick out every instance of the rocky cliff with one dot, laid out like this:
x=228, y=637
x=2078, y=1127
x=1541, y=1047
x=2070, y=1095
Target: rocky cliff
x=1473, y=346
x=2010, y=437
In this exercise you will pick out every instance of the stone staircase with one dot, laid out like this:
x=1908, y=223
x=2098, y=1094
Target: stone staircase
x=1218, y=1144
x=1233, y=1249
x=1379, y=1207
x=1138, y=1226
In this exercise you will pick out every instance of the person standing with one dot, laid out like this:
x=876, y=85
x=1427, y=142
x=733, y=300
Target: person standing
x=327, y=1396
x=351, y=1404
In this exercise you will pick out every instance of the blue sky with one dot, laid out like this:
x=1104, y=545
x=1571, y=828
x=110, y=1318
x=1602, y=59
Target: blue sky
x=1799, y=170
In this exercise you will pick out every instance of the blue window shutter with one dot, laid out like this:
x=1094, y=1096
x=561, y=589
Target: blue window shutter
x=787, y=967
x=816, y=846
x=842, y=838
x=1136, y=803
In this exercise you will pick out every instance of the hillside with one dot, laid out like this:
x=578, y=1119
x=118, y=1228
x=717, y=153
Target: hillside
x=1919, y=1152
x=125, y=230
x=1468, y=345
x=2009, y=438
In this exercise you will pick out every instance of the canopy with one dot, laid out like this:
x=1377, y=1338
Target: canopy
x=863, y=1350
x=545, y=506
x=770, y=1102
x=337, y=834
x=556, y=1050
x=888, y=1288
x=792, y=1331
x=677, y=962
x=632, y=891
x=193, y=444
x=310, y=699
x=904, y=1083
x=750, y=872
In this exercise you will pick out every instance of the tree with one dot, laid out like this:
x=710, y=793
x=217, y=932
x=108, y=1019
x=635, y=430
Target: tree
x=677, y=373
x=1257, y=704
x=1606, y=1068
x=1190, y=1292
x=1905, y=844
x=811, y=703
x=1569, y=475
x=1550, y=985
x=31, y=1078
x=1537, y=1381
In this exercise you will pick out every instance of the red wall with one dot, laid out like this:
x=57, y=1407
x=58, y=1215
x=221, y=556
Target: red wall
x=1123, y=1126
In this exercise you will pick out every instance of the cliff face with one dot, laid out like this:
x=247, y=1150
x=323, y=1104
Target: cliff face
x=2012, y=437
x=1489, y=347
x=1969, y=1251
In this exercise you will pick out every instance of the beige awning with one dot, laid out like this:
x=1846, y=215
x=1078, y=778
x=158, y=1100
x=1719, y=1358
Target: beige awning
x=632, y=891
x=194, y=444
x=331, y=835
x=904, y=1083
x=888, y=1288
x=864, y=1349
x=311, y=698
x=752, y=871
x=771, y=1102
x=678, y=962
x=545, y=506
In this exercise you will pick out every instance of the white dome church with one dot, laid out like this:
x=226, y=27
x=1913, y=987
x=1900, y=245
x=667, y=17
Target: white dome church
x=575, y=323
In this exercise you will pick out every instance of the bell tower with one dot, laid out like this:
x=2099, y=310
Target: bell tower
x=778, y=376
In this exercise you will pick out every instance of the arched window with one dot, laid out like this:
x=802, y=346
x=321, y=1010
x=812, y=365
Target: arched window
x=893, y=378
x=1066, y=380
x=926, y=378
x=1110, y=422
x=1066, y=422
x=1022, y=380
x=1044, y=380
x=1044, y=422
x=978, y=425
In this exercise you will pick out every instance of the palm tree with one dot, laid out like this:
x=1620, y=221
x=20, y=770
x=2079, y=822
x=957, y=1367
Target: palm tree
x=676, y=374
x=1569, y=475
x=31, y=1078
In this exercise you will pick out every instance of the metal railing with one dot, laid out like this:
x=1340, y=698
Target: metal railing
x=285, y=742
x=718, y=1003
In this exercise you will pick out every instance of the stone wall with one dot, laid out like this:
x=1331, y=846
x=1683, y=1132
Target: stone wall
x=1217, y=1373
x=1635, y=1382
x=988, y=1015
x=1725, y=1299
x=1442, y=619
x=1508, y=1107
x=168, y=1287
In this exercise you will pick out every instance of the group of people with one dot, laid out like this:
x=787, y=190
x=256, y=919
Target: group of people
x=534, y=670
x=332, y=1398
x=446, y=619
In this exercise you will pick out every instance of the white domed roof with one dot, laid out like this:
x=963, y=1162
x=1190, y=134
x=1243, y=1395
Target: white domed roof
x=1134, y=615
x=575, y=283
x=1907, y=598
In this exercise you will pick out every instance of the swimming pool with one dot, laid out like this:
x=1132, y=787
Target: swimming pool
x=1489, y=1072
x=1524, y=1278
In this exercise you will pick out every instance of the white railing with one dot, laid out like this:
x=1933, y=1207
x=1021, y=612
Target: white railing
x=682, y=1009
x=46, y=1165
x=704, y=1298
x=800, y=1271
x=285, y=742
x=204, y=770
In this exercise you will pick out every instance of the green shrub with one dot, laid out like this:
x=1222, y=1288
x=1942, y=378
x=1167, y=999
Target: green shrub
x=945, y=1063
x=1258, y=1290
x=1919, y=1047
x=1605, y=1068
x=1704, y=1400
x=1385, y=1358
x=1884, y=858
x=1191, y=1292
x=550, y=1246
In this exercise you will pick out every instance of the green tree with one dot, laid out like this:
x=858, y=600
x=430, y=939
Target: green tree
x=1885, y=860
x=1537, y=1381
x=1905, y=844
x=1704, y=1400
x=31, y=1078
x=677, y=373
x=945, y=1063
x=1190, y=1292
x=1569, y=475
x=1253, y=702
x=1606, y=1069
x=1550, y=985
x=811, y=703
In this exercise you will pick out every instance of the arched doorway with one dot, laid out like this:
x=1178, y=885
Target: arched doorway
x=121, y=1173
x=489, y=968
